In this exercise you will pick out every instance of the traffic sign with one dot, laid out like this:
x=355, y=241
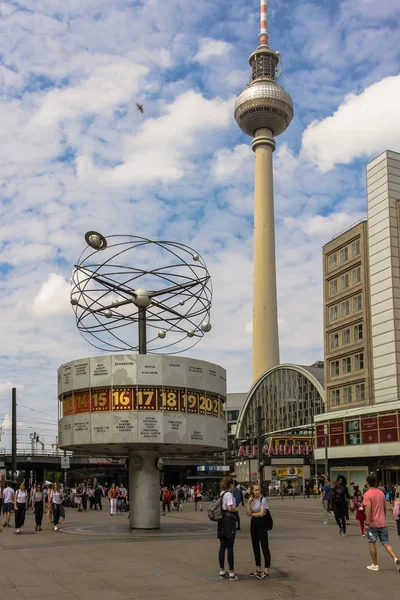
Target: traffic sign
x=65, y=463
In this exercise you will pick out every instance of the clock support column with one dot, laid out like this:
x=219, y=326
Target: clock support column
x=144, y=489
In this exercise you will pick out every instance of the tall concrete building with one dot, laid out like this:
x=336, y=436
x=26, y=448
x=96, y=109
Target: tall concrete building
x=361, y=427
x=263, y=111
x=347, y=320
x=383, y=195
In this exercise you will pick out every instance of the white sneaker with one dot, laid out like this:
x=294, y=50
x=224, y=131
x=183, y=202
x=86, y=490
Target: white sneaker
x=397, y=563
x=18, y=531
x=55, y=528
x=325, y=522
x=373, y=567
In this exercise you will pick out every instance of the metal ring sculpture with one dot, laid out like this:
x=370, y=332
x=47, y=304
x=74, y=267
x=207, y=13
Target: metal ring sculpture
x=108, y=293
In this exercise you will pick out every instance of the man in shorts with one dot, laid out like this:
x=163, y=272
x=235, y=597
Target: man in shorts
x=8, y=504
x=375, y=523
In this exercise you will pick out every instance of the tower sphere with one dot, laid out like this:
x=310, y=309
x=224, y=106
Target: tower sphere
x=264, y=104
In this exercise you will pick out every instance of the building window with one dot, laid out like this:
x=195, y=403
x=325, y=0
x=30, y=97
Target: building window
x=344, y=281
x=355, y=248
x=335, y=397
x=360, y=391
x=332, y=261
x=334, y=337
x=359, y=361
x=344, y=255
x=358, y=332
x=356, y=275
x=347, y=394
x=334, y=368
x=345, y=308
x=333, y=313
x=346, y=336
x=333, y=287
x=232, y=415
x=357, y=303
x=346, y=365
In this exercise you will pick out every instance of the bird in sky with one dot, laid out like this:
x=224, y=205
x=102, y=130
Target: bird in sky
x=140, y=107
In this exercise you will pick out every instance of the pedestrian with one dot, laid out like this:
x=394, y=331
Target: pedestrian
x=78, y=498
x=55, y=498
x=396, y=514
x=38, y=507
x=113, y=498
x=340, y=503
x=8, y=504
x=381, y=488
x=257, y=508
x=166, y=500
x=21, y=499
x=198, y=496
x=237, y=493
x=49, y=509
x=90, y=495
x=327, y=494
x=181, y=498
x=375, y=522
x=360, y=513
x=98, y=494
x=84, y=497
x=226, y=531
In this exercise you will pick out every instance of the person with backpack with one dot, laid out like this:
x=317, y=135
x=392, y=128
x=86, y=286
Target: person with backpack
x=226, y=530
x=340, y=503
x=257, y=509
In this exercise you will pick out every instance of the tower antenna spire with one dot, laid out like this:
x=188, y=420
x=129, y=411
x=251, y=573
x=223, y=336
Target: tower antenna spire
x=263, y=36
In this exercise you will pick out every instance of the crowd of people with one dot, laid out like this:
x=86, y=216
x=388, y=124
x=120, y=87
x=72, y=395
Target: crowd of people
x=47, y=499
x=174, y=498
x=370, y=506
x=52, y=499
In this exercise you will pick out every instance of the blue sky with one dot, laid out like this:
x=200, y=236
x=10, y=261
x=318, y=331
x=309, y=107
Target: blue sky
x=75, y=155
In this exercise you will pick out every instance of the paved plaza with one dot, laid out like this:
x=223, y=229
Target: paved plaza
x=94, y=556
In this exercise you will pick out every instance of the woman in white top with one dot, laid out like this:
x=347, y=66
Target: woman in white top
x=256, y=508
x=20, y=503
x=55, y=498
x=227, y=529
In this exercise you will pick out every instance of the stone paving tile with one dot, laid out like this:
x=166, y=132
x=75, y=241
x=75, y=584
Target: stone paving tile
x=308, y=561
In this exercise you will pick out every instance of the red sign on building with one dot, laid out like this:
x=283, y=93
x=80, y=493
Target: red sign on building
x=369, y=437
x=389, y=435
x=387, y=422
x=370, y=424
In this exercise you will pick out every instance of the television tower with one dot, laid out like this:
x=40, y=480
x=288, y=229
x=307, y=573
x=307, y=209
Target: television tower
x=264, y=110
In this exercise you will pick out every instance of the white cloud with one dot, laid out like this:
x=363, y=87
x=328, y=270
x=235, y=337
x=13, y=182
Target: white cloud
x=106, y=87
x=162, y=148
x=52, y=298
x=363, y=126
x=324, y=226
x=208, y=47
x=230, y=165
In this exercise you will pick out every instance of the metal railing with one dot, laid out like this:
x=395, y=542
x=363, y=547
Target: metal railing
x=40, y=454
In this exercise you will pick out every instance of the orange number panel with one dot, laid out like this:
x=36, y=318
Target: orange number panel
x=82, y=402
x=148, y=398
x=101, y=400
x=192, y=402
x=68, y=405
x=124, y=399
x=171, y=399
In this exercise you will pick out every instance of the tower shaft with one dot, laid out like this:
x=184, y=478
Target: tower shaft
x=265, y=307
x=264, y=110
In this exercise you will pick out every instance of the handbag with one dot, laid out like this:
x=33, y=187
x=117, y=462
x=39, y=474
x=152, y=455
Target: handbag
x=269, y=523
